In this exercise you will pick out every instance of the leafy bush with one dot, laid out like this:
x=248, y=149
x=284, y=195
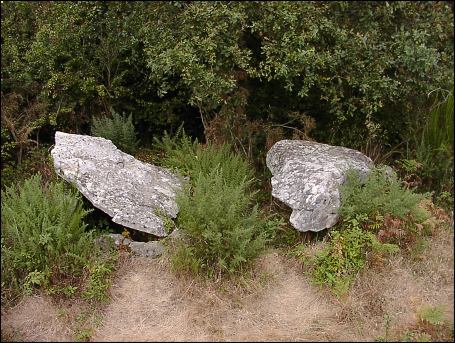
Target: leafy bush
x=381, y=204
x=344, y=256
x=380, y=193
x=191, y=158
x=216, y=215
x=36, y=160
x=374, y=213
x=118, y=129
x=215, y=212
x=43, y=233
x=99, y=277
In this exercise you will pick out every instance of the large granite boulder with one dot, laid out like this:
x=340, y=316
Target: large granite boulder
x=306, y=177
x=135, y=194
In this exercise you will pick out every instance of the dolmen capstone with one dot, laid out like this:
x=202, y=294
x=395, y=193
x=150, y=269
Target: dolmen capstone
x=306, y=176
x=135, y=194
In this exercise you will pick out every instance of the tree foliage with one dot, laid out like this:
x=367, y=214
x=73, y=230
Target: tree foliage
x=359, y=69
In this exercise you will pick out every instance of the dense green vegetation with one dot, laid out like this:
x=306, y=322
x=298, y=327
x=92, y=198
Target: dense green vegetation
x=44, y=239
x=355, y=74
x=236, y=77
x=378, y=216
x=381, y=194
x=222, y=228
x=118, y=129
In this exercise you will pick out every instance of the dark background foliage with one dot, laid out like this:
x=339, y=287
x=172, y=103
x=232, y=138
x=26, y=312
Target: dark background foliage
x=355, y=74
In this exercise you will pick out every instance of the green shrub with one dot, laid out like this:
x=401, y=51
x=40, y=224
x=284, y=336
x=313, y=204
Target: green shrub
x=223, y=230
x=435, y=148
x=42, y=233
x=437, y=168
x=380, y=193
x=438, y=130
x=35, y=160
x=179, y=151
x=217, y=217
x=118, y=129
x=99, y=278
x=377, y=205
x=191, y=158
x=381, y=204
x=346, y=253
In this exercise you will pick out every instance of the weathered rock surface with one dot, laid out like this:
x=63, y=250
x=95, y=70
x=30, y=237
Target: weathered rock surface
x=135, y=194
x=306, y=177
x=150, y=249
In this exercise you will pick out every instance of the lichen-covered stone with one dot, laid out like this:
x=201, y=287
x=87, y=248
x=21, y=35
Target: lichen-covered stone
x=150, y=249
x=306, y=177
x=135, y=194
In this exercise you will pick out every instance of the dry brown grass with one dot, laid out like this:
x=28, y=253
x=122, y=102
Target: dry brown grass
x=273, y=302
x=401, y=287
x=35, y=319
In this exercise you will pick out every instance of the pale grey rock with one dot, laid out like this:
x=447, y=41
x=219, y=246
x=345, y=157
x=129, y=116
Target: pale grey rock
x=119, y=239
x=135, y=194
x=306, y=177
x=150, y=249
x=176, y=234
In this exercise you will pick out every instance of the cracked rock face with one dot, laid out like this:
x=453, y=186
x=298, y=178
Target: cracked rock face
x=306, y=177
x=135, y=194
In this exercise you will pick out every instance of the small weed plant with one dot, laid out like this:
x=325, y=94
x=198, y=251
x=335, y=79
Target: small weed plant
x=120, y=130
x=223, y=230
x=433, y=315
x=344, y=256
x=100, y=272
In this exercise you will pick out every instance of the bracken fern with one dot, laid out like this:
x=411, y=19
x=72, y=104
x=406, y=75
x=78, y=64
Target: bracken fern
x=222, y=227
x=118, y=129
x=42, y=232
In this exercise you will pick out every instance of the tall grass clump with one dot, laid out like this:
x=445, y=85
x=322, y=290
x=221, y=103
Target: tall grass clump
x=435, y=148
x=223, y=229
x=120, y=130
x=43, y=235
